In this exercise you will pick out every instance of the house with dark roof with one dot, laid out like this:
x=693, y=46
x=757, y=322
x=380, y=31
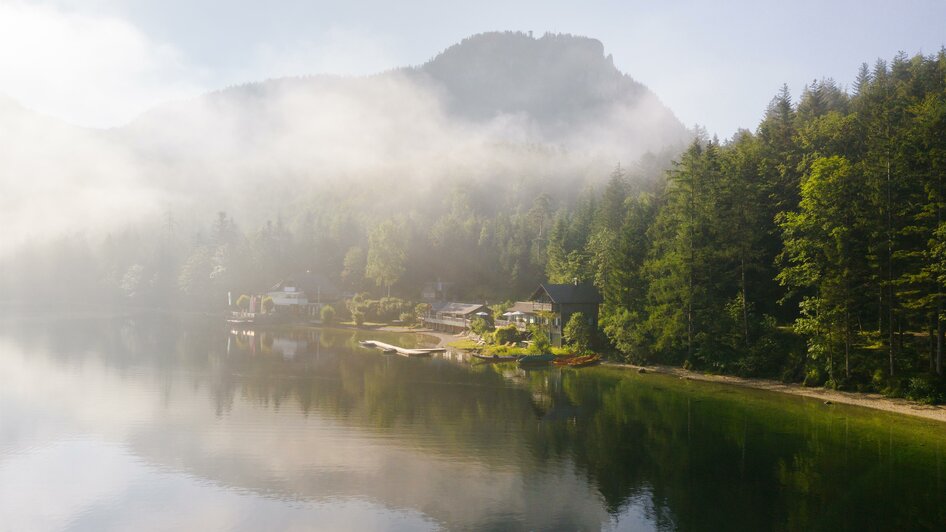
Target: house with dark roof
x=556, y=303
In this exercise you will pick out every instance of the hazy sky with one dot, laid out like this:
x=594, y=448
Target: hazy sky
x=101, y=62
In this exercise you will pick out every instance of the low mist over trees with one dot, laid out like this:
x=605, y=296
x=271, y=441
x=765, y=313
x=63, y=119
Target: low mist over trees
x=810, y=249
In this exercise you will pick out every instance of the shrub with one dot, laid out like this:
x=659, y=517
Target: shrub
x=268, y=304
x=814, y=377
x=578, y=333
x=480, y=326
x=327, y=314
x=358, y=317
x=421, y=310
x=506, y=334
x=407, y=317
x=923, y=390
x=243, y=302
x=540, y=341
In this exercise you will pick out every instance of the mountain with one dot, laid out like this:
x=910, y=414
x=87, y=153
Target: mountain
x=560, y=81
x=498, y=115
x=558, y=89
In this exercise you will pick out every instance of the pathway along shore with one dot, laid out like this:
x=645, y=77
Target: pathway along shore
x=867, y=400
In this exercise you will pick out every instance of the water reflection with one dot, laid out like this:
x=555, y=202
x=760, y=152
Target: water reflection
x=306, y=428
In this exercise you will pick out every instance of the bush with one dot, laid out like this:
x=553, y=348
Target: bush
x=578, y=333
x=358, y=317
x=421, y=310
x=922, y=389
x=814, y=377
x=480, y=326
x=506, y=334
x=407, y=317
x=327, y=314
x=243, y=302
x=268, y=304
x=540, y=341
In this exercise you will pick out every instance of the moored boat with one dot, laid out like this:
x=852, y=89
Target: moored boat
x=578, y=361
x=536, y=359
x=497, y=358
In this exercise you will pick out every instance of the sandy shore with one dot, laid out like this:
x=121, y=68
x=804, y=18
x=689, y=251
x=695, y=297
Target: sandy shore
x=442, y=338
x=867, y=400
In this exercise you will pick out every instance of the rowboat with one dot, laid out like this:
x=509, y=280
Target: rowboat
x=579, y=361
x=496, y=358
x=536, y=359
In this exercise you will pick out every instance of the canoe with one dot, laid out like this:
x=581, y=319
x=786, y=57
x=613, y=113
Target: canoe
x=536, y=359
x=496, y=358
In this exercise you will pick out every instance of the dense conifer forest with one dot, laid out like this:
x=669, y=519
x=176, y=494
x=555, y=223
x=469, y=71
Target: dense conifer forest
x=811, y=249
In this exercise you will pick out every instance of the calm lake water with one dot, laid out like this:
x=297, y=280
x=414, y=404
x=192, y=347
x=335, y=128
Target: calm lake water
x=161, y=423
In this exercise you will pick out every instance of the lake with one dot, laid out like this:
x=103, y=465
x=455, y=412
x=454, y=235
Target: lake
x=159, y=422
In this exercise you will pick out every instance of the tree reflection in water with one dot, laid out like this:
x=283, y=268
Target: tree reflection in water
x=667, y=453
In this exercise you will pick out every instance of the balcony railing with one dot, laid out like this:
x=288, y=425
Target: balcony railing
x=453, y=322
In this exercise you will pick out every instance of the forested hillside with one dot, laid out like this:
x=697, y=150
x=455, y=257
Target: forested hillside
x=827, y=221
x=813, y=248
x=452, y=170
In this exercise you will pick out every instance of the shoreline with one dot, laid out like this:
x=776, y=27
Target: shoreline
x=874, y=401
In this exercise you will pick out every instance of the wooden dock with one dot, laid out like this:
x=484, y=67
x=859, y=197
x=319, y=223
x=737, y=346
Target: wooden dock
x=403, y=351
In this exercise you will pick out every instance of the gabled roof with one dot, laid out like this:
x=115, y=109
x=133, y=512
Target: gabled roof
x=568, y=293
x=460, y=309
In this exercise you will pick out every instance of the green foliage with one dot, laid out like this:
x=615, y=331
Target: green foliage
x=578, y=333
x=386, y=254
x=924, y=389
x=327, y=314
x=268, y=304
x=358, y=317
x=407, y=317
x=498, y=309
x=540, y=341
x=480, y=326
x=421, y=310
x=829, y=217
x=243, y=302
x=506, y=334
x=386, y=309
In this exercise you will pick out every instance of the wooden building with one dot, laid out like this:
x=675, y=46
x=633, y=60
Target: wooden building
x=555, y=304
x=453, y=317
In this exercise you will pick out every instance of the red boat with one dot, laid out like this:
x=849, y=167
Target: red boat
x=579, y=361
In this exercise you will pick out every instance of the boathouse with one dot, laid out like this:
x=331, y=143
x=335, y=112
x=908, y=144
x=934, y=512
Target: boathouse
x=555, y=304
